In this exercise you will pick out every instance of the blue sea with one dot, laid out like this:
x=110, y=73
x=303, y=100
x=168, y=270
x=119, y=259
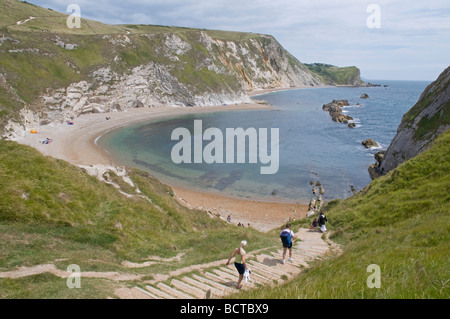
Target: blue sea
x=312, y=147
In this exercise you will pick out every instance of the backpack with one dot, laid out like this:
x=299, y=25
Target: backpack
x=286, y=237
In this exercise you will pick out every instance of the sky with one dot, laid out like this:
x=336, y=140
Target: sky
x=386, y=39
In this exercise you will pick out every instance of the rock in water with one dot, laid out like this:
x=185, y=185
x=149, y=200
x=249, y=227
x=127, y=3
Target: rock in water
x=341, y=118
x=364, y=96
x=370, y=143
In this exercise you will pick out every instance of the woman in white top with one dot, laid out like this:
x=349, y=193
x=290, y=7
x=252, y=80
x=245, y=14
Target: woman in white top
x=239, y=262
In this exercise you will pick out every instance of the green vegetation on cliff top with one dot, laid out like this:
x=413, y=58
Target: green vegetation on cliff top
x=334, y=75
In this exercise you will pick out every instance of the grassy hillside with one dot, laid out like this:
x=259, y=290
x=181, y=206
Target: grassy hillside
x=46, y=20
x=400, y=222
x=52, y=212
x=334, y=75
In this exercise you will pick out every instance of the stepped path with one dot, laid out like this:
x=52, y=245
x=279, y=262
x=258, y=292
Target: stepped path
x=215, y=280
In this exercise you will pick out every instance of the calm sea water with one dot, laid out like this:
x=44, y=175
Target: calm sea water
x=312, y=147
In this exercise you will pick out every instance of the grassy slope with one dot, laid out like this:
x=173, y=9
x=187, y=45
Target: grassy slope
x=46, y=20
x=400, y=222
x=50, y=210
x=334, y=75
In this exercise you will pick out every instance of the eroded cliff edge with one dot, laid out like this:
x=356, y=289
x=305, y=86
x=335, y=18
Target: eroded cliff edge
x=428, y=119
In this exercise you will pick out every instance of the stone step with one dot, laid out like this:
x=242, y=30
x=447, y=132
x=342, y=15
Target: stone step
x=259, y=275
x=191, y=290
x=131, y=293
x=218, y=286
x=253, y=280
x=159, y=293
x=295, y=255
x=274, y=269
x=297, y=261
x=296, y=249
x=305, y=254
x=312, y=249
x=312, y=253
x=268, y=260
x=149, y=294
x=224, y=274
x=224, y=281
x=318, y=241
x=174, y=292
x=205, y=287
x=266, y=273
x=232, y=284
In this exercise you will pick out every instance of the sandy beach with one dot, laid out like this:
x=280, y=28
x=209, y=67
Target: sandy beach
x=76, y=145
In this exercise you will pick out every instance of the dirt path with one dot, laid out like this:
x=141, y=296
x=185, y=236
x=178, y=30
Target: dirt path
x=209, y=280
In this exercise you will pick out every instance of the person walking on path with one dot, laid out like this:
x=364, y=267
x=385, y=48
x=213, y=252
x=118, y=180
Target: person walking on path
x=287, y=236
x=322, y=221
x=239, y=262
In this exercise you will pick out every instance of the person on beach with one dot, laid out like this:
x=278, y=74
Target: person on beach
x=287, y=236
x=229, y=219
x=322, y=221
x=239, y=262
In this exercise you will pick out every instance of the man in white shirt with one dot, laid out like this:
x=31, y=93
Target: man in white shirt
x=287, y=236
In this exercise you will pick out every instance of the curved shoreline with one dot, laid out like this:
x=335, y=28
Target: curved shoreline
x=76, y=144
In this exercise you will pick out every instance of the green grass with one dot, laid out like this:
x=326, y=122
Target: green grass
x=334, y=75
x=400, y=222
x=50, y=210
x=48, y=286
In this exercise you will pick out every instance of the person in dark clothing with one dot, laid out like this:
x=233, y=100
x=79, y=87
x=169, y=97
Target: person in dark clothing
x=322, y=221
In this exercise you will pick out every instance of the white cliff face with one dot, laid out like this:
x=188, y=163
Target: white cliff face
x=149, y=85
x=192, y=69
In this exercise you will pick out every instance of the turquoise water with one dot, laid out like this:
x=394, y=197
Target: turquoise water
x=312, y=147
